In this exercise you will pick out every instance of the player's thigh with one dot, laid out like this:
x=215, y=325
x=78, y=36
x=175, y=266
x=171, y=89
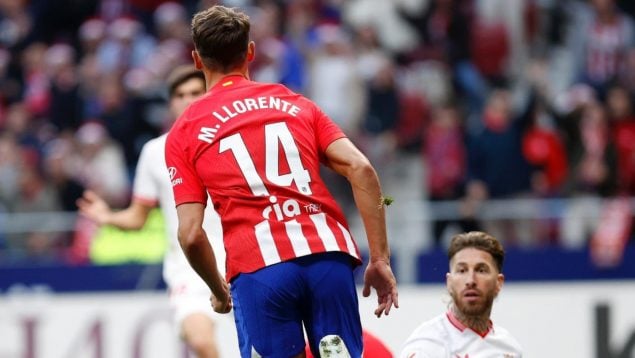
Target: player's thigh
x=190, y=296
x=198, y=330
x=333, y=321
x=267, y=311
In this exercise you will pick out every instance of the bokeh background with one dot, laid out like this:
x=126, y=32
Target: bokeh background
x=514, y=117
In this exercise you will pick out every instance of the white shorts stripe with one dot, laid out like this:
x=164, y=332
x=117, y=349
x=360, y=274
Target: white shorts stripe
x=324, y=232
x=298, y=241
x=268, y=248
x=350, y=246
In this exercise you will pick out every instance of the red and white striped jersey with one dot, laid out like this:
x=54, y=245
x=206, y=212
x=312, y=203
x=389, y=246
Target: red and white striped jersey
x=256, y=149
x=606, y=52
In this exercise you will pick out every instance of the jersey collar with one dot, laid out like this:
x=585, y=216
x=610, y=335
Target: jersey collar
x=461, y=327
x=228, y=81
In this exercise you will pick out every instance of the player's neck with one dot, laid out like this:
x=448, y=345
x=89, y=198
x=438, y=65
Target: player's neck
x=478, y=323
x=213, y=77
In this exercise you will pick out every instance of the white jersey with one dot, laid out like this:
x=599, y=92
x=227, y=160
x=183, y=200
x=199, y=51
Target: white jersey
x=445, y=337
x=151, y=185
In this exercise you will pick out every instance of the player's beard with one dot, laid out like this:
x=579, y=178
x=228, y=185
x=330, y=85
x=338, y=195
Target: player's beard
x=478, y=308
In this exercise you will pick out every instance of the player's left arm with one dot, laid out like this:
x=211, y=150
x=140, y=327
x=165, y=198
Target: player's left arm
x=344, y=157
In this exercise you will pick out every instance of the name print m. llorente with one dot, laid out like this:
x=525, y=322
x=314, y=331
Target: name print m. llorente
x=252, y=104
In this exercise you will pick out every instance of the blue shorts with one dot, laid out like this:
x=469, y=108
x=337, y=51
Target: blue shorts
x=272, y=304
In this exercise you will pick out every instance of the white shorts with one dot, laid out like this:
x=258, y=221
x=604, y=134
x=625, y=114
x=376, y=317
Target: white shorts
x=188, y=295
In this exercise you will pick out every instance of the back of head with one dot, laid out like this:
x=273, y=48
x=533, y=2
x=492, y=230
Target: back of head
x=221, y=37
x=180, y=75
x=481, y=241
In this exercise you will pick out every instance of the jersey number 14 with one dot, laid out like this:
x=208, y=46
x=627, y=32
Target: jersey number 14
x=275, y=134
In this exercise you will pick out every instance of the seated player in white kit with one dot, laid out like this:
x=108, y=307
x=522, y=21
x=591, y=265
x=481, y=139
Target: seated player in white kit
x=465, y=330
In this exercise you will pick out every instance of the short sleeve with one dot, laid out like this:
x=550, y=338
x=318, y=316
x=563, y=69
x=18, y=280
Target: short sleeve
x=326, y=130
x=422, y=344
x=145, y=187
x=186, y=185
x=413, y=353
x=425, y=349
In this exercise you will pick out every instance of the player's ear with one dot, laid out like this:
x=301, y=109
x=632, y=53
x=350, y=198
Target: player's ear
x=500, y=279
x=251, y=51
x=198, y=63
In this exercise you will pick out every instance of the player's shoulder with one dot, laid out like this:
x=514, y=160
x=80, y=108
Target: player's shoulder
x=431, y=329
x=279, y=89
x=427, y=340
x=185, y=124
x=505, y=335
x=155, y=145
x=157, y=141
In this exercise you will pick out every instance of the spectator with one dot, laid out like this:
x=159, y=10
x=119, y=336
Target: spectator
x=493, y=155
x=543, y=145
x=497, y=146
x=35, y=195
x=9, y=169
x=115, y=110
x=100, y=165
x=36, y=82
x=622, y=120
x=171, y=22
x=58, y=155
x=65, y=109
x=279, y=59
x=443, y=29
x=601, y=41
x=91, y=34
x=590, y=151
x=127, y=45
x=378, y=139
x=23, y=126
x=544, y=149
x=336, y=86
x=445, y=156
x=16, y=22
x=592, y=159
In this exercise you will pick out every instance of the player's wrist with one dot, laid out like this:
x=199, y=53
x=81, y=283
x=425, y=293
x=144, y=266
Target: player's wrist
x=380, y=258
x=106, y=218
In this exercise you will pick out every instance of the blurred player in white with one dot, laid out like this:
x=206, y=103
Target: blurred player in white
x=465, y=330
x=189, y=295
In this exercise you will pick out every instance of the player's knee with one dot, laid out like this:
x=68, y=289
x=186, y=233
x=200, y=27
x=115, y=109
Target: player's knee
x=201, y=344
x=333, y=346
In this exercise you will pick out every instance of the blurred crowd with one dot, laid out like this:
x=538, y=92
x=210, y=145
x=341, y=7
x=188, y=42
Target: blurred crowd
x=500, y=99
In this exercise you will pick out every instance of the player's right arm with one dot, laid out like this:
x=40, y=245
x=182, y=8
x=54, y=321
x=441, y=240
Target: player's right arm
x=199, y=253
x=95, y=208
x=190, y=198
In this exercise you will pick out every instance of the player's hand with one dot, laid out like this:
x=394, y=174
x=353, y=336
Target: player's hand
x=94, y=207
x=222, y=303
x=379, y=276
